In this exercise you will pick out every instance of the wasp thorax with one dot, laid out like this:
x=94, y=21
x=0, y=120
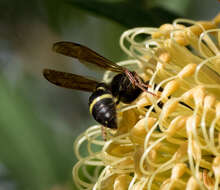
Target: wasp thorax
x=123, y=89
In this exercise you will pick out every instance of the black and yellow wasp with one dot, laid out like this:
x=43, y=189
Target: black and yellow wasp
x=125, y=87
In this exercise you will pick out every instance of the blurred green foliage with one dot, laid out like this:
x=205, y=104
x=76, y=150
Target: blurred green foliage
x=28, y=147
x=127, y=13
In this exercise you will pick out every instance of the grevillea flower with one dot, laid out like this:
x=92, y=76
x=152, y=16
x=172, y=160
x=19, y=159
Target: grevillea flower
x=168, y=141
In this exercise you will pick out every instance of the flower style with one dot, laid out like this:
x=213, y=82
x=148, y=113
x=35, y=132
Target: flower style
x=168, y=141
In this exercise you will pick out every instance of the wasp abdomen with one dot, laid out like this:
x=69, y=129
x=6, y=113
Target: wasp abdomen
x=102, y=107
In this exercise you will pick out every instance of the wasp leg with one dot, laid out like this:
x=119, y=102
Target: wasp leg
x=140, y=81
x=136, y=81
x=142, y=85
x=104, y=133
x=131, y=77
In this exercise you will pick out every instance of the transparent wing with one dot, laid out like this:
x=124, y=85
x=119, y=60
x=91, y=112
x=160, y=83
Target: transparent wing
x=68, y=80
x=84, y=54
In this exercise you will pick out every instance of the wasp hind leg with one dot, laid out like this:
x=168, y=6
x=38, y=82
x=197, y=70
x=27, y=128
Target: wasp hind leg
x=104, y=133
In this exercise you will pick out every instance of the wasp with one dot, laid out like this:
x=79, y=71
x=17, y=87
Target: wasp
x=125, y=87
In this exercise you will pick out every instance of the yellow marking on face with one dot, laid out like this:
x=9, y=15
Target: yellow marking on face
x=98, y=99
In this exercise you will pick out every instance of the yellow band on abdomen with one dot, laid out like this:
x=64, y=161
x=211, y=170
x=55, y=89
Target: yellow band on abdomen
x=98, y=99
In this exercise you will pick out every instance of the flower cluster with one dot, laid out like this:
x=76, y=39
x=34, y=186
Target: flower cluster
x=171, y=140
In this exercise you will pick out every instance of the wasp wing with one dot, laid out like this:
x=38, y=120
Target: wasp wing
x=84, y=54
x=68, y=80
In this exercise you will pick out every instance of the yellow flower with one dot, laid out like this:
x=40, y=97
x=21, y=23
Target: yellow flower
x=169, y=141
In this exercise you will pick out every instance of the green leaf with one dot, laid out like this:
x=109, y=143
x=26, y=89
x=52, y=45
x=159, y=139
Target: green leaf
x=127, y=13
x=177, y=6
